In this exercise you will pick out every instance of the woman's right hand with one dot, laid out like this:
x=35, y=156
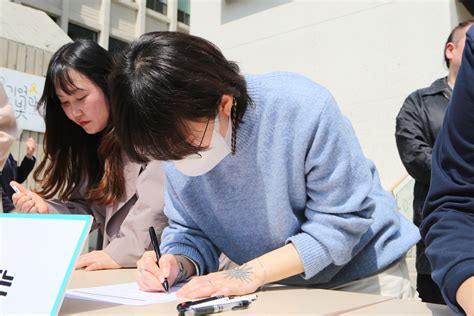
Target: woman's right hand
x=27, y=201
x=150, y=277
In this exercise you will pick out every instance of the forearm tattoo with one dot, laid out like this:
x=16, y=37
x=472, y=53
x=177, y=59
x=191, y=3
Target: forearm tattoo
x=243, y=273
x=183, y=273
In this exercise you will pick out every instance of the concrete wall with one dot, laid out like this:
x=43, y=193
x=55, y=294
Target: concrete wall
x=369, y=54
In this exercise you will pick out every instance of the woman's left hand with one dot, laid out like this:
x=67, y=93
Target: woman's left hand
x=241, y=280
x=96, y=260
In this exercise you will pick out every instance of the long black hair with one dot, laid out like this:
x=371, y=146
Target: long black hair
x=163, y=79
x=71, y=155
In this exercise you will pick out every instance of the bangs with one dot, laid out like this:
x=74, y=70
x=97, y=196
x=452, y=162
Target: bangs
x=62, y=79
x=166, y=141
x=155, y=131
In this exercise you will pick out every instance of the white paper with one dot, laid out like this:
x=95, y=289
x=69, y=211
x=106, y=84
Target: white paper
x=125, y=294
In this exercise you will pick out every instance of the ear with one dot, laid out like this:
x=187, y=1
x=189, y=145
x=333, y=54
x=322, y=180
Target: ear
x=448, y=50
x=227, y=100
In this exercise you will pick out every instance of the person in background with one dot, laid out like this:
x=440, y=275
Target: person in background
x=262, y=168
x=84, y=164
x=7, y=131
x=11, y=172
x=448, y=224
x=417, y=126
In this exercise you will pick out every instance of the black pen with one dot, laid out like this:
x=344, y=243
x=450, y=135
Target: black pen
x=186, y=305
x=214, y=301
x=156, y=247
x=220, y=307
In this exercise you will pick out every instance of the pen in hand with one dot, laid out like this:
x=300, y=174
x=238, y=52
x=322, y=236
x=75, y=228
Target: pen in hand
x=156, y=247
x=15, y=188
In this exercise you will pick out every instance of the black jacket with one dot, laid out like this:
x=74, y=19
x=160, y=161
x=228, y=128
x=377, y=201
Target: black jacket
x=418, y=125
x=12, y=172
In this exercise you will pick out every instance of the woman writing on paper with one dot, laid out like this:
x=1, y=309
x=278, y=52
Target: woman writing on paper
x=262, y=168
x=84, y=164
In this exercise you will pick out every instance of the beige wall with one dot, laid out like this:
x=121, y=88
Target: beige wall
x=30, y=60
x=369, y=54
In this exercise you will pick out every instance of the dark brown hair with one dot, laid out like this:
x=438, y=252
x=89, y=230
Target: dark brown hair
x=71, y=156
x=163, y=79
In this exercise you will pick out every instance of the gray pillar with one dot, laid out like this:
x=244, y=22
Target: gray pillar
x=173, y=15
x=140, y=25
x=64, y=18
x=104, y=20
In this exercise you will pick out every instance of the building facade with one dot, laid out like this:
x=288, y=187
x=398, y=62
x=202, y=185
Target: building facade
x=114, y=23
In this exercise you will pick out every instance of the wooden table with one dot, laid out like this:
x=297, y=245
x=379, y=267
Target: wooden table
x=403, y=307
x=274, y=300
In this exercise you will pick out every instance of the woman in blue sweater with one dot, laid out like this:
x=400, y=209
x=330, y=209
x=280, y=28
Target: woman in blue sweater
x=264, y=169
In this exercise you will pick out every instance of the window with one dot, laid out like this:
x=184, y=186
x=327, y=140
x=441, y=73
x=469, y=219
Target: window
x=184, y=8
x=76, y=32
x=157, y=5
x=116, y=45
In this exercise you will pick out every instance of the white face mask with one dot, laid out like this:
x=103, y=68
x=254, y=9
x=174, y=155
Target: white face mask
x=197, y=165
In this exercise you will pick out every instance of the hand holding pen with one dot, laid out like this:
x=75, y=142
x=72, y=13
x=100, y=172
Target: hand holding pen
x=156, y=272
x=26, y=201
x=156, y=248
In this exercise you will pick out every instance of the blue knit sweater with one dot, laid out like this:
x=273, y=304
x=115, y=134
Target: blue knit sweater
x=298, y=175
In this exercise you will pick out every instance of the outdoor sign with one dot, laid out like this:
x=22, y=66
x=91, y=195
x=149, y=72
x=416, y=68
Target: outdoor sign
x=24, y=91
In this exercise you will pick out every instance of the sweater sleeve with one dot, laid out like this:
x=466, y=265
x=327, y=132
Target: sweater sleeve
x=448, y=223
x=184, y=237
x=338, y=183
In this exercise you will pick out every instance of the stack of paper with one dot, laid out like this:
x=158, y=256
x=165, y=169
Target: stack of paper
x=125, y=294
